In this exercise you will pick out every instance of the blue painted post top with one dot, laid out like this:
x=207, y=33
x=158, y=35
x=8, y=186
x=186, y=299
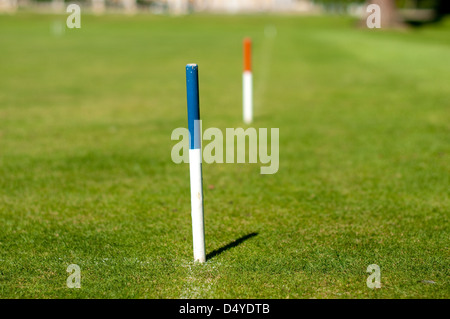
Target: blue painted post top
x=193, y=107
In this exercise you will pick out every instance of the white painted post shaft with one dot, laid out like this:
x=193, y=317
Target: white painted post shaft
x=198, y=231
x=247, y=89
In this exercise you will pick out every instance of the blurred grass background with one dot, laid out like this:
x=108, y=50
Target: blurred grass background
x=86, y=175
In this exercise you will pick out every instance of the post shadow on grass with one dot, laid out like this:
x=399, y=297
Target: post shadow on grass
x=234, y=243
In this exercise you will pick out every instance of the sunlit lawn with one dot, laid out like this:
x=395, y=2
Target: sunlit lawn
x=86, y=175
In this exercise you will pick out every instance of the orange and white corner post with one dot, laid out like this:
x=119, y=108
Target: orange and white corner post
x=247, y=83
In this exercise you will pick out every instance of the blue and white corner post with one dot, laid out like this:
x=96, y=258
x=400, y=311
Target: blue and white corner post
x=195, y=162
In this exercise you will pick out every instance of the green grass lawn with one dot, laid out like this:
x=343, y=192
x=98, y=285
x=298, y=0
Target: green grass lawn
x=86, y=175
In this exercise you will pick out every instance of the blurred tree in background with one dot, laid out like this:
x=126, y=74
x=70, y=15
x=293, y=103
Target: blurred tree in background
x=396, y=13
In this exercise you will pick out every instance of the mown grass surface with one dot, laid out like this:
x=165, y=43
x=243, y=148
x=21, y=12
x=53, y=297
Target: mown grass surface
x=86, y=175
